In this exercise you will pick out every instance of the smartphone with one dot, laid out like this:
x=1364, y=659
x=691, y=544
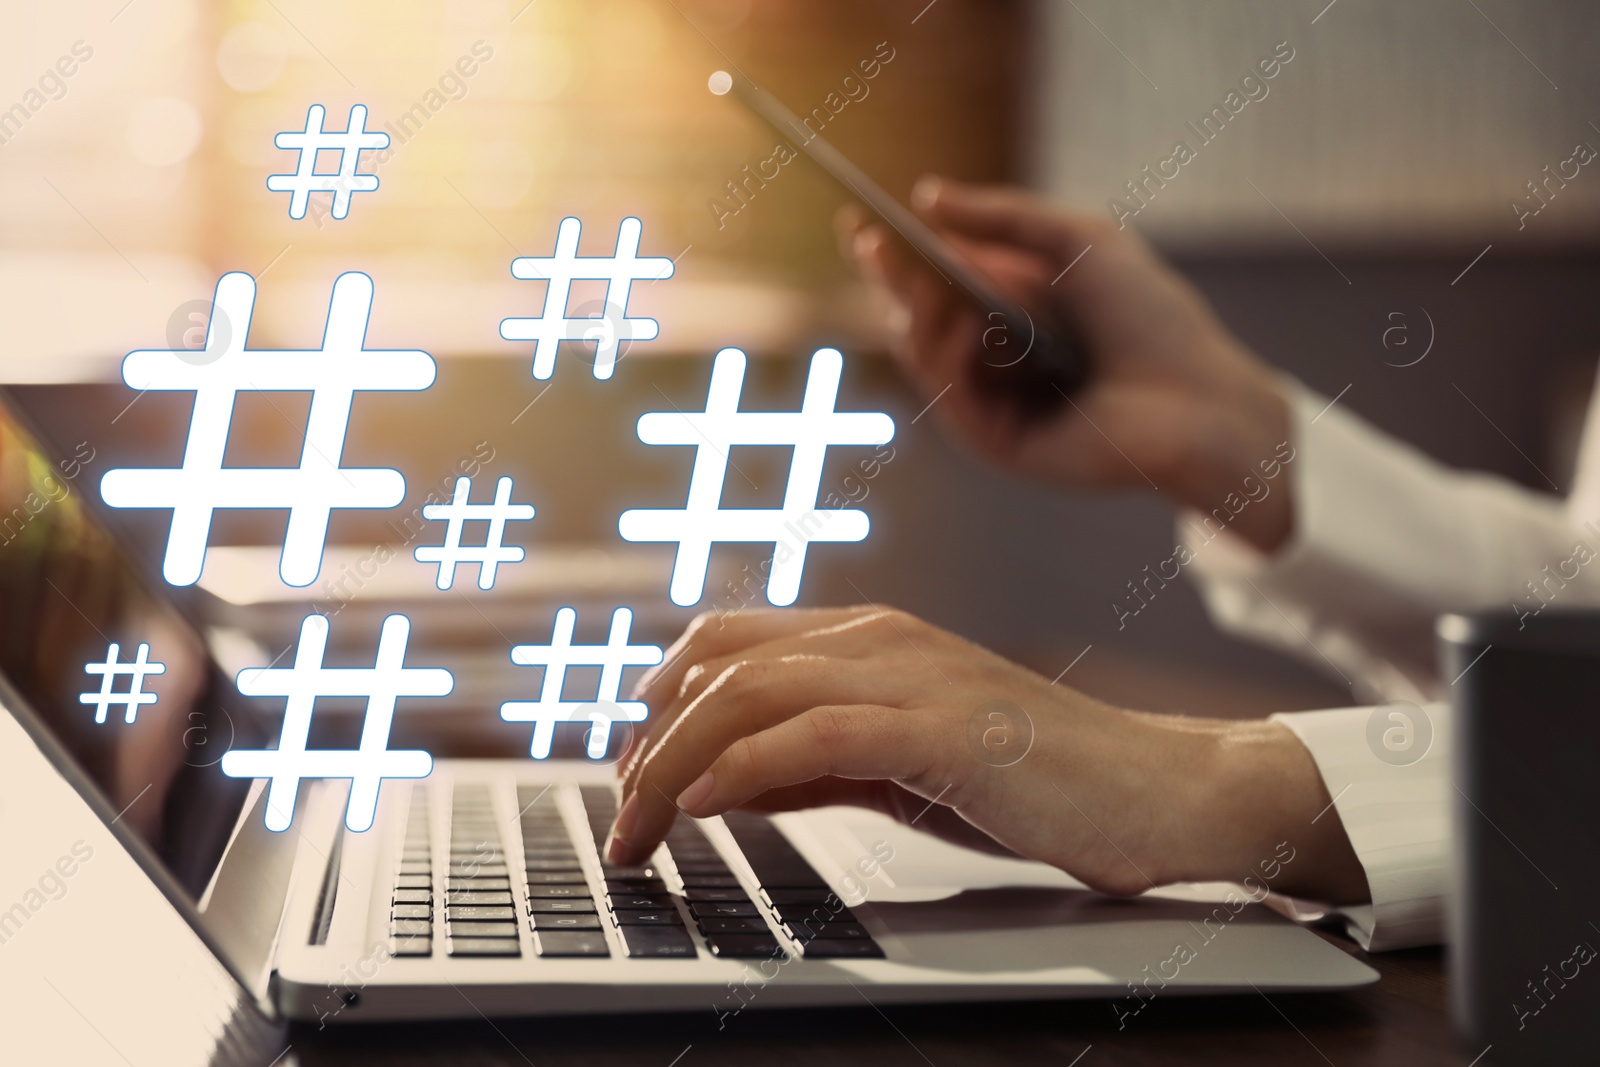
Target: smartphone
x=1029, y=355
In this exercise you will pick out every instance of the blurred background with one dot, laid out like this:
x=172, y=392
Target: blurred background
x=1373, y=187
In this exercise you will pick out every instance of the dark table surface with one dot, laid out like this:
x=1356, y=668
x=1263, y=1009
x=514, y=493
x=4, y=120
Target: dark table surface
x=1401, y=1020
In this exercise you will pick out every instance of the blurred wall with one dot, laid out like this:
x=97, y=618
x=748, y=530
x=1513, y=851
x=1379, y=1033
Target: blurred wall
x=1421, y=121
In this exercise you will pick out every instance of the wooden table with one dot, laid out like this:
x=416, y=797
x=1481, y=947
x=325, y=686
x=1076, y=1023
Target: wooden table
x=1402, y=1020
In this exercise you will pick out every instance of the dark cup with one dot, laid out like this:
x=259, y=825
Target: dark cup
x=1525, y=905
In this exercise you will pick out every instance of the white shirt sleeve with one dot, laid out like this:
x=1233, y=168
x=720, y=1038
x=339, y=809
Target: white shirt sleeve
x=1390, y=784
x=1386, y=539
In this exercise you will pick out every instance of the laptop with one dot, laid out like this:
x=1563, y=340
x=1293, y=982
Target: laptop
x=481, y=888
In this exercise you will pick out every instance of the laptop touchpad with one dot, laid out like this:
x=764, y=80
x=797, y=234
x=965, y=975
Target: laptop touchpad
x=948, y=906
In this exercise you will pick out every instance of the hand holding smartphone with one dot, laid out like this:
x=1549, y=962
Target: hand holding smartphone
x=1027, y=354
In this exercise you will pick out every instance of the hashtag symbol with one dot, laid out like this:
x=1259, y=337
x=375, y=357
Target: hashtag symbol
x=722, y=425
x=619, y=271
x=367, y=766
x=310, y=492
x=489, y=555
x=560, y=654
x=136, y=670
x=349, y=144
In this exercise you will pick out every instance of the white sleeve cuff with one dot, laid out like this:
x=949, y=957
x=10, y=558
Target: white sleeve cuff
x=1387, y=770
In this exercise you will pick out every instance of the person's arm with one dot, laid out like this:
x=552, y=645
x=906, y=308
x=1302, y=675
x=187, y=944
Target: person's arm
x=1384, y=540
x=796, y=708
x=789, y=709
x=1347, y=559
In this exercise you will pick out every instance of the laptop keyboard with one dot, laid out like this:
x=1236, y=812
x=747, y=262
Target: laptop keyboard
x=565, y=911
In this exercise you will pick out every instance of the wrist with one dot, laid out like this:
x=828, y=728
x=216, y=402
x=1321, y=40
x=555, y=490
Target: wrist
x=1235, y=464
x=1261, y=811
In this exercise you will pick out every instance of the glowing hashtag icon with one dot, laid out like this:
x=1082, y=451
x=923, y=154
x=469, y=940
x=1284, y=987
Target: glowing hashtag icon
x=332, y=375
x=367, y=766
x=137, y=670
x=619, y=271
x=341, y=183
x=489, y=555
x=560, y=654
x=790, y=528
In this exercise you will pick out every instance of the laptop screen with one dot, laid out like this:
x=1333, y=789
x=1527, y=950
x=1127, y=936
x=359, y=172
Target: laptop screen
x=67, y=595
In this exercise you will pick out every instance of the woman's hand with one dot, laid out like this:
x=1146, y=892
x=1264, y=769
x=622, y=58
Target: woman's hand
x=1173, y=399
x=795, y=708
